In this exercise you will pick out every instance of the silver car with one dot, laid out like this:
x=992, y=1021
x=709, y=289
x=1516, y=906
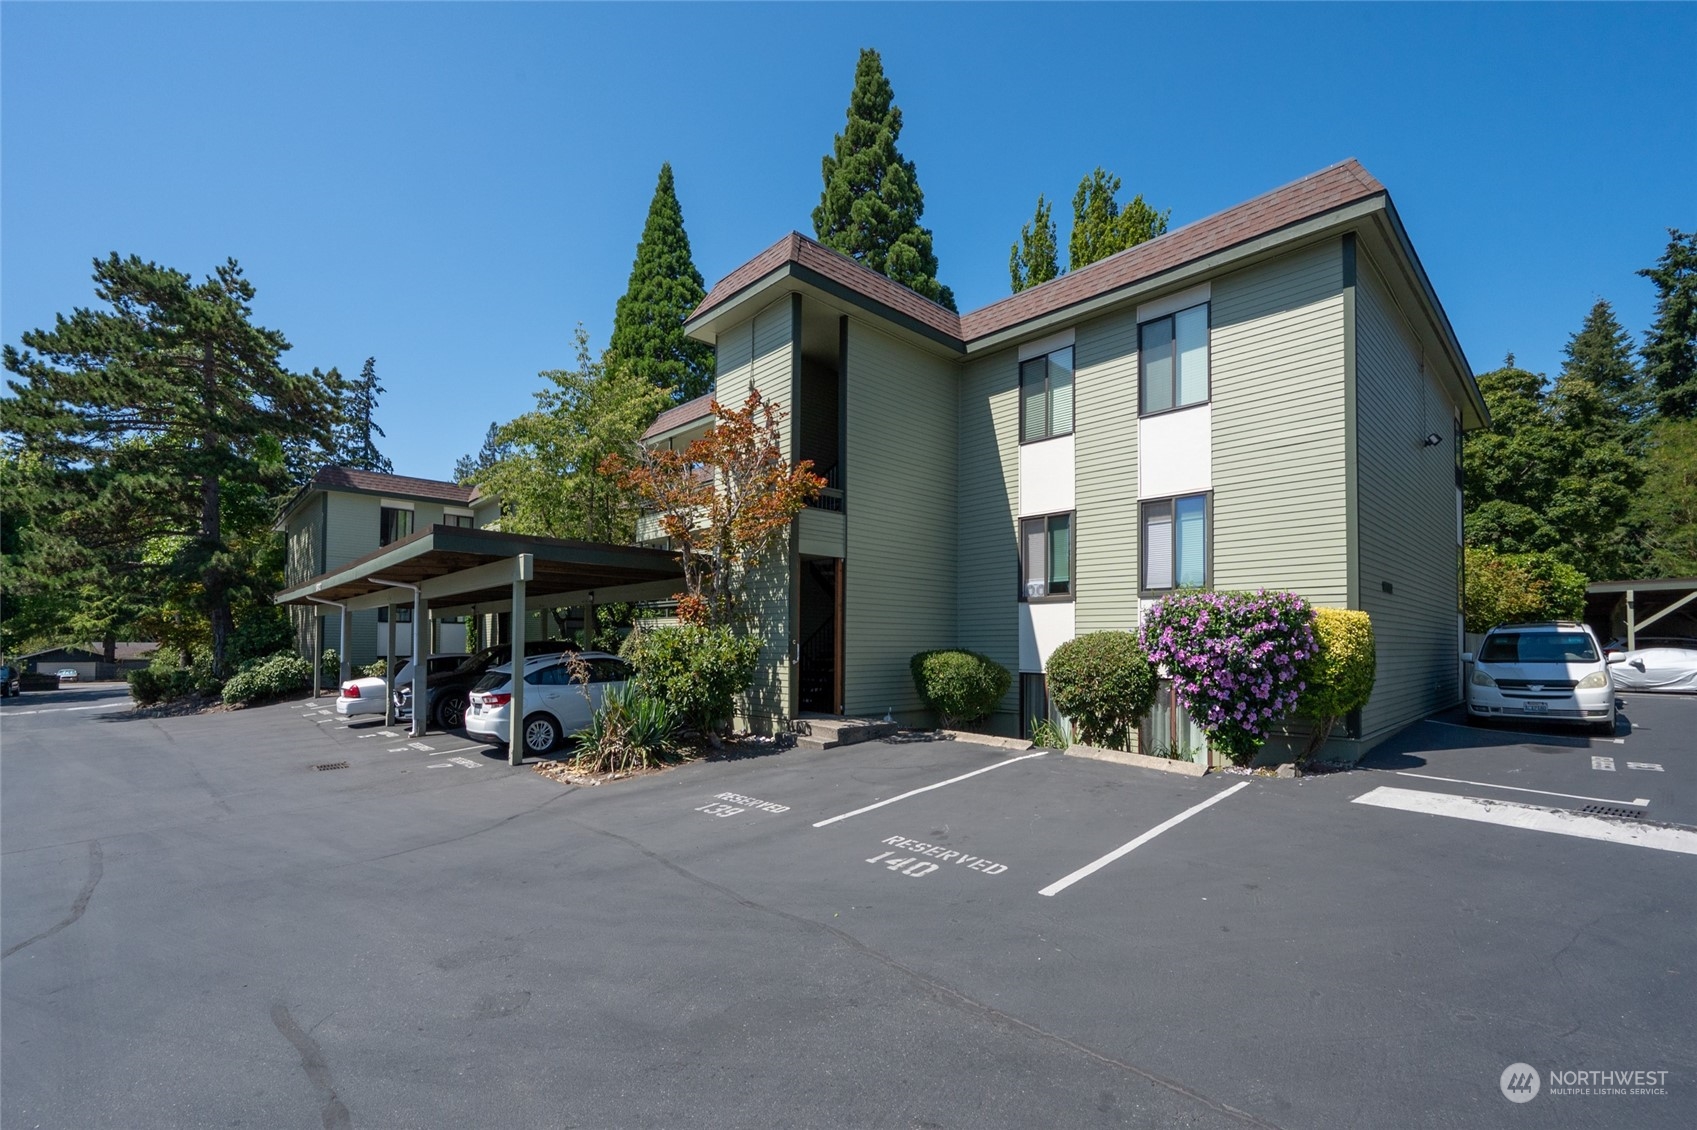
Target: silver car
x=1552, y=671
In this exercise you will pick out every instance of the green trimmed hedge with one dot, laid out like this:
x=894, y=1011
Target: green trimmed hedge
x=279, y=675
x=1105, y=683
x=961, y=686
x=1340, y=677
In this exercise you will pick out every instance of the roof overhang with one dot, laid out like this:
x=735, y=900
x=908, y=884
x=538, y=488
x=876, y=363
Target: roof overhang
x=1659, y=584
x=455, y=567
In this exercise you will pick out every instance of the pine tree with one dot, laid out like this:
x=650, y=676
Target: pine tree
x=872, y=204
x=356, y=446
x=160, y=422
x=1034, y=259
x=1601, y=353
x=1670, y=348
x=1100, y=226
x=470, y=468
x=665, y=288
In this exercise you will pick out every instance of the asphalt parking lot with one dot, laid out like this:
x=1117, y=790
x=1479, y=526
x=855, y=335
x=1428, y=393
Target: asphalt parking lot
x=203, y=927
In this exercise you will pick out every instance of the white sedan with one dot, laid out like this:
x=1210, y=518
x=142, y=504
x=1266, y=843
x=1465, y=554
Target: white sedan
x=367, y=695
x=555, y=707
x=1654, y=669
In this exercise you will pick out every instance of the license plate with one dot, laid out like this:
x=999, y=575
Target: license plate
x=1536, y=707
x=477, y=709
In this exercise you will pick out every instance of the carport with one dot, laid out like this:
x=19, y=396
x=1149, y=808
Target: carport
x=453, y=570
x=1661, y=597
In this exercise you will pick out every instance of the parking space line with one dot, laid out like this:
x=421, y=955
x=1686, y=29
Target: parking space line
x=1518, y=789
x=928, y=788
x=1509, y=814
x=1089, y=869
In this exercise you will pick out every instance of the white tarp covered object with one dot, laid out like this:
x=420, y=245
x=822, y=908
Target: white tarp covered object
x=1655, y=669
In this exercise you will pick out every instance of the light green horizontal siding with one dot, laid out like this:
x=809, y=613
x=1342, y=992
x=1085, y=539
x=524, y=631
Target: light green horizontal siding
x=820, y=533
x=900, y=581
x=987, y=576
x=1407, y=503
x=1105, y=463
x=1280, y=514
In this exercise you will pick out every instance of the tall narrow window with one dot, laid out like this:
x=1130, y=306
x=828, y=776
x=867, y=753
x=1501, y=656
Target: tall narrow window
x=393, y=525
x=1045, y=396
x=1175, y=543
x=1045, y=557
x=1173, y=360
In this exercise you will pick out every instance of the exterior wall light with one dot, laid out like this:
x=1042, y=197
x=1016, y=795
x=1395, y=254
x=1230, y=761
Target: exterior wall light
x=1433, y=439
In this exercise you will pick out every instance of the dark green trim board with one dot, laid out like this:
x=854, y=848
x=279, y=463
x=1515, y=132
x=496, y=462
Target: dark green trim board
x=1351, y=493
x=323, y=532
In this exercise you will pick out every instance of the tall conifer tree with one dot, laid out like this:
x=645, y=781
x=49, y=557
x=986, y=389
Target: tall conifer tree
x=1601, y=353
x=665, y=288
x=872, y=204
x=356, y=442
x=1670, y=348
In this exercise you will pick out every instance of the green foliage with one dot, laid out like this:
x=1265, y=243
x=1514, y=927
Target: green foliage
x=1666, y=508
x=1036, y=257
x=1339, y=678
x=1105, y=683
x=355, y=443
x=164, y=681
x=1514, y=588
x=377, y=669
x=550, y=481
x=1100, y=226
x=631, y=730
x=1600, y=354
x=665, y=288
x=1047, y=735
x=261, y=630
x=281, y=674
x=162, y=413
x=330, y=667
x=872, y=204
x=699, y=670
x=469, y=469
x=961, y=686
x=1670, y=348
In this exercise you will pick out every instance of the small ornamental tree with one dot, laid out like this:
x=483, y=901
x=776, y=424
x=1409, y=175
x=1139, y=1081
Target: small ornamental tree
x=1340, y=676
x=1104, y=682
x=961, y=686
x=725, y=501
x=1235, y=659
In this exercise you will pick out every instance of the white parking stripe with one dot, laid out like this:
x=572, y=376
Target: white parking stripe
x=928, y=788
x=1089, y=869
x=1511, y=815
x=1517, y=789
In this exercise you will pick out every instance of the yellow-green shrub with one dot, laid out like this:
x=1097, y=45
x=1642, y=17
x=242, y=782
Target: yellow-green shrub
x=1340, y=677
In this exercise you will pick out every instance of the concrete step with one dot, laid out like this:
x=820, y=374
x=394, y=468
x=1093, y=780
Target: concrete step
x=828, y=731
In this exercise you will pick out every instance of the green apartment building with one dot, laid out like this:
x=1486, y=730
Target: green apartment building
x=1268, y=397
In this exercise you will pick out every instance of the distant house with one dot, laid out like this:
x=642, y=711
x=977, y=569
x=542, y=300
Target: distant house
x=343, y=515
x=88, y=662
x=1268, y=397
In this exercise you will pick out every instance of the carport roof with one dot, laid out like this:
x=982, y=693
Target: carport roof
x=456, y=566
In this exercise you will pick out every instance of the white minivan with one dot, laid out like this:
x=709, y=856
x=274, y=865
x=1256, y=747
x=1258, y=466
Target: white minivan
x=555, y=706
x=1554, y=671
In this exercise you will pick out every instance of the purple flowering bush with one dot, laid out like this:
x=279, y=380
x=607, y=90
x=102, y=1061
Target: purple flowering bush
x=1235, y=660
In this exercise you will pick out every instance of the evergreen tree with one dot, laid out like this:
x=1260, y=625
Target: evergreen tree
x=158, y=420
x=1670, y=348
x=1665, y=509
x=356, y=445
x=665, y=288
x=1601, y=354
x=1034, y=259
x=1100, y=226
x=872, y=204
x=470, y=468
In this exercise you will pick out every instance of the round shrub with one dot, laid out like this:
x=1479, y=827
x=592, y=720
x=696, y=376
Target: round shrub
x=961, y=686
x=1340, y=675
x=698, y=670
x=281, y=674
x=1235, y=659
x=1105, y=683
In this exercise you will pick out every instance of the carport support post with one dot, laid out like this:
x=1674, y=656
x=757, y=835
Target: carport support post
x=420, y=669
x=343, y=623
x=389, y=674
x=317, y=654
x=524, y=566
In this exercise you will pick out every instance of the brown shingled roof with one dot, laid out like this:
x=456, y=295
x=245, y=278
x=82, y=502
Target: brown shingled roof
x=680, y=414
x=1334, y=187
x=346, y=478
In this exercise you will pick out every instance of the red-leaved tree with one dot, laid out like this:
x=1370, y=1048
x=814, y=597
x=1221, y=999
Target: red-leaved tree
x=725, y=501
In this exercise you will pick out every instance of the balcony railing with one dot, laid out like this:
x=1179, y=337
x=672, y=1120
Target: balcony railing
x=830, y=496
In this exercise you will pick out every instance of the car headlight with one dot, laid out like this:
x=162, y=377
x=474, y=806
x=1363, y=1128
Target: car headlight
x=1594, y=681
x=1481, y=679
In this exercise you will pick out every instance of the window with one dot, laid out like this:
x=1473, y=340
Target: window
x=1168, y=729
x=1035, y=705
x=394, y=525
x=1045, y=396
x=461, y=520
x=1175, y=543
x=559, y=675
x=403, y=614
x=1045, y=549
x=1172, y=360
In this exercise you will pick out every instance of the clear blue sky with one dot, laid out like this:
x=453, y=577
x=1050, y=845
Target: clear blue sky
x=452, y=188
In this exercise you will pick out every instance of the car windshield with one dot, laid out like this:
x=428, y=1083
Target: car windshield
x=491, y=681
x=475, y=662
x=1539, y=647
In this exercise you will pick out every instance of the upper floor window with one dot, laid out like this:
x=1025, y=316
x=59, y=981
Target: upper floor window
x=1045, y=396
x=1045, y=551
x=461, y=520
x=1175, y=543
x=1172, y=360
x=393, y=525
